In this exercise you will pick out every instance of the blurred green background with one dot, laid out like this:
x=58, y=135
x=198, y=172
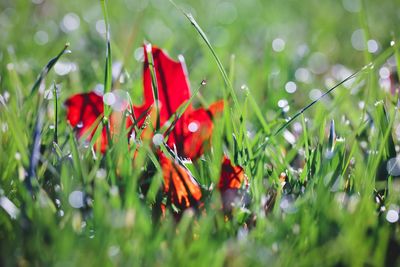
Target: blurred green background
x=307, y=34
x=286, y=53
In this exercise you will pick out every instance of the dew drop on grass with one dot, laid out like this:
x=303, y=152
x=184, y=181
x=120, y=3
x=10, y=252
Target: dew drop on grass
x=282, y=103
x=4, y=127
x=117, y=99
x=132, y=137
x=384, y=72
x=101, y=27
x=109, y=99
x=138, y=54
x=297, y=127
x=41, y=37
x=57, y=188
x=48, y=94
x=358, y=40
x=91, y=234
x=303, y=75
x=86, y=143
x=302, y=50
x=318, y=63
x=372, y=46
x=193, y=127
x=70, y=22
x=290, y=87
x=75, y=199
x=278, y=45
x=158, y=139
x=353, y=6
x=114, y=191
x=385, y=84
x=60, y=213
x=63, y=68
x=289, y=137
x=392, y=43
x=116, y=69
x=113, y=251
x=392, y=215
x=99, y=89
x=315, y=94
x=101, y=173
x=393, y=166
x=9, y=207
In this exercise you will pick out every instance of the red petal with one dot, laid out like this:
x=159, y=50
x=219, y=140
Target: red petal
x=173, y=88
x=83, y=111
x=183, y=190
x=232, y=176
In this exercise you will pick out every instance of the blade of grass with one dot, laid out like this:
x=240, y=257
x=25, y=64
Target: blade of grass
x=107, y=71
x=55, y=97
x=353, y=75
x=35, y=153
x=48, y=67
x=154, y=83
x=221, y=68
x=178, y=114
x=108, y=67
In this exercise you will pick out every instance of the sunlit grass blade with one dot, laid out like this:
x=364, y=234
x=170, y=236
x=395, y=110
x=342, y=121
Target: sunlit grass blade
x=221, y=68
x=154, y=84
x=30, y=180
x=321, y=97
x=108, y=61
x=55, y=97
x=47, y=68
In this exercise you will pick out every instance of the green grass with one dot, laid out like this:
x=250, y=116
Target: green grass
x=325, y=215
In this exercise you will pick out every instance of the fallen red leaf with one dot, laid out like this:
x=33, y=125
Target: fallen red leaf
x=179, y=184
x=84, y=113
x=190, y=136
x=232, y=176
